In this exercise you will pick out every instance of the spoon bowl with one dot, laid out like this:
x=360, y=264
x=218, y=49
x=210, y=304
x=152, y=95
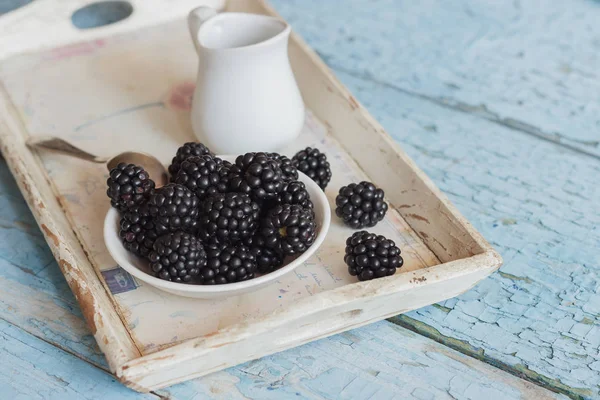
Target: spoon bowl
x=151, y=164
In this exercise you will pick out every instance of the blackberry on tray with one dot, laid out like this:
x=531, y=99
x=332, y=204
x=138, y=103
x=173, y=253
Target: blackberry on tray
x=174, y=207
x=129, y=185
x=189, y=149
x=257, y=175
x=314, y=164
x=289, y=229
x=138, y=232
x=228, y=217
x=177, y=257
x=227, y=264
x=360, y=205
x=370, y=256
x=204, y=175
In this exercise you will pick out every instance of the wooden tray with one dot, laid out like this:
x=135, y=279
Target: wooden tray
x=132, y=90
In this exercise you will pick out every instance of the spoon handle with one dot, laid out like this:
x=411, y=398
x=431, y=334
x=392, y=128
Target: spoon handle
x=57, y=144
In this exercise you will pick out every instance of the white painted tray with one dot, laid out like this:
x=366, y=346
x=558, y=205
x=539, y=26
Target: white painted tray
x=132, y=90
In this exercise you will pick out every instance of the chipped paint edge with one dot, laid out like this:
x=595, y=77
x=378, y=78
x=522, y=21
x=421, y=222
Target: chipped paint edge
x=96, y=305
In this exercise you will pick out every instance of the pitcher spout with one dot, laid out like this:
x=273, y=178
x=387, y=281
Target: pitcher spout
x=231, y=31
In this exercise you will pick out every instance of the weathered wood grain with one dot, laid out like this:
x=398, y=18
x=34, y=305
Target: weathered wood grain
x=528, y=65
x=535, y=201
x=537, y=204
x=372, y=362
x=33, y=369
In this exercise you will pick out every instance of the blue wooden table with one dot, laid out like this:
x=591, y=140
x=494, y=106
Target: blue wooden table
x=498, y=102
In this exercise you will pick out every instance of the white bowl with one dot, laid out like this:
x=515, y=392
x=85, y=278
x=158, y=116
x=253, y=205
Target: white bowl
x=139, y=267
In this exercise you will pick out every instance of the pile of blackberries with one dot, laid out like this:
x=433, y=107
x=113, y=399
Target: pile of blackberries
x=218, y=222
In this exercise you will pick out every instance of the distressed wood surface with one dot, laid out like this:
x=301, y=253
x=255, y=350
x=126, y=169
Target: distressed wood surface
x=379, y=361
x=533, y=200
x=527, y=65
x=34, y=369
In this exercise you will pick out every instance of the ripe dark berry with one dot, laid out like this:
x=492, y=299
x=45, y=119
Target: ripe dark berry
x=228, y=217
x=360, y=205
x=128, y=186
x=189, y=149
x=138, y=232
x=267, y=260
x=290, y=173
x=174, y=207
x=371, y=256
x=314, y=164
x=204, y=175
x=295, y=193
x=177, y=257
x=227, y=264
x=289, y=229
x=257, y=175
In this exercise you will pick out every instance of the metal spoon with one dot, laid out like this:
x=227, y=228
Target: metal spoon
x=151, y=164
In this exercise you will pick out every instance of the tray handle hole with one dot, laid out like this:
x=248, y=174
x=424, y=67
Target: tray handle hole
x=101, y=13
x=7, y=6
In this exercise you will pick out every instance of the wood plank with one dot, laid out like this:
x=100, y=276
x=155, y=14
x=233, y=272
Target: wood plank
x=33, y=369
x=530, y=66
x=376, y=361
x=537, y=204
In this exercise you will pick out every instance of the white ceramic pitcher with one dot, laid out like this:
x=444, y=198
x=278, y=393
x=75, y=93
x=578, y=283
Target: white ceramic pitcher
x=246, y=97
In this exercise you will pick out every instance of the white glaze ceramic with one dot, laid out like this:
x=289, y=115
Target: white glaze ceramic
x=139, y=267
x=246, y=97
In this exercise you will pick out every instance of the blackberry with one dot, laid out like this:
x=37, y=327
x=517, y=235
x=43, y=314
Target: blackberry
x=128, y=185
x=227, y=264
x=174, y=207
x=204, y=175
x=177, y=257
x=257, y=175
x=314, y=164
x=228, y=217
x=289, y=229
x=290, y=172
x=267, y=260
x=189, y=149
x=371, y=256
x=360, y=205
x=138, y=232
x=295, y=193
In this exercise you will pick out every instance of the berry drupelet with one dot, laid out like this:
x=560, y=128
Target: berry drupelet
x=203, y=175
x=138, y=232
x=267, y=260
x=360, y=205
x=228, y=217
x=128, y=185
x=371, y=256
x=174, y=207
x=257, y=175
x=289, y=229
x=177, y=257
x=189, y=149
x=314, y=164
x=227, y=264
x=290, y=172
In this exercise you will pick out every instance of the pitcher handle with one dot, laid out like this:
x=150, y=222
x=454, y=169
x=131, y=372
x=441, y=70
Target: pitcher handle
x=196, y=18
